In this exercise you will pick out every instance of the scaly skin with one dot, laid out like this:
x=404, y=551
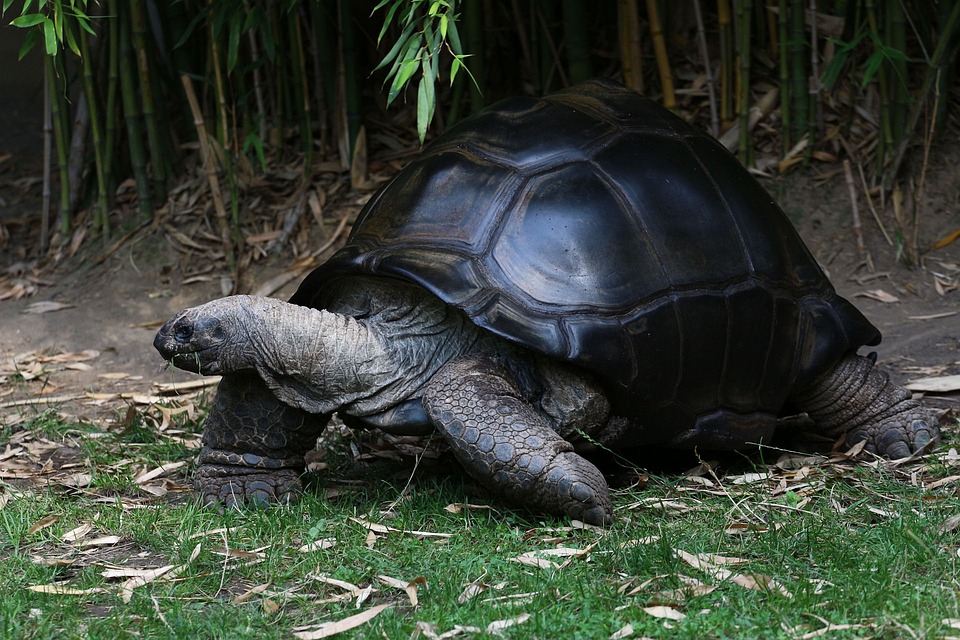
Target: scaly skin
x=253, y=445
x=509, y=447
x=856, y=399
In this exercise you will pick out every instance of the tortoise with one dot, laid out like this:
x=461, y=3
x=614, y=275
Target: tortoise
x=582, y=269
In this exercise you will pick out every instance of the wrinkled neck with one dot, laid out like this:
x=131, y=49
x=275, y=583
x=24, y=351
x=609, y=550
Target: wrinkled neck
x=315, y=359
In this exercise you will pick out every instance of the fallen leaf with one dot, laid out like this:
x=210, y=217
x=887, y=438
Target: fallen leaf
x=324, y=543
x=668, y=613
x=328, y=629
x=939, y=384
x=250, y=593
x=42, y=523
x=877, y=294
x=379, y=528
x=459, y=507
x=499, y=625
x=46, y=306
x=159, y=471
x=623, y=632
x=64, y=591
x=75, y=534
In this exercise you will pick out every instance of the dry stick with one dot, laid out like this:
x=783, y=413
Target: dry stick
x=711, y=81
x=47, y=160
x=873, y=210
x=660, y=50
x=927, y=143
x=857, y=229
x=631, y=45
x=208, y=157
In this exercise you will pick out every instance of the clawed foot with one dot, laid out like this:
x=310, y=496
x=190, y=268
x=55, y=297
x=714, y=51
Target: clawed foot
x=901, y=436
x=234, y=487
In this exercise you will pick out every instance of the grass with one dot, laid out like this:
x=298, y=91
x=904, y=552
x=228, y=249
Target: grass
x=813, y=548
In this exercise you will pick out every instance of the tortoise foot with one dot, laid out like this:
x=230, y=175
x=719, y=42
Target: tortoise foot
x=901, y=437
x=234, y=486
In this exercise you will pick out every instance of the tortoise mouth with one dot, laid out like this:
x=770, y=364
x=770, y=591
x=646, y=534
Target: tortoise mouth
x=190, y=344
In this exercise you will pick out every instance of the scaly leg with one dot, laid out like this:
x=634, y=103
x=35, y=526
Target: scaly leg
x=857, y=399
x=253, y=445
x=508, y=446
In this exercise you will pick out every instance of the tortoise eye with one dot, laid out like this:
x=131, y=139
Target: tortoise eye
x=183, y=332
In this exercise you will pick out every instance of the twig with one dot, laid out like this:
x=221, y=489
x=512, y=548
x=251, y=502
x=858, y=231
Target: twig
x=209, y=167
x=711, y=81
x=857, y=229
x=873, y=210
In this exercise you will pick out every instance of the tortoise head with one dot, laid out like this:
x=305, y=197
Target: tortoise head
x=206, y=339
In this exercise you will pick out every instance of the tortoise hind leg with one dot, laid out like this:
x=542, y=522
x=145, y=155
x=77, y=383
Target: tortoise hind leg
x=507, y=445
x=855, y=398
x=253, y=445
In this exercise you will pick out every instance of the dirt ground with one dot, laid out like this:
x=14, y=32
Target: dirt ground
x=114, y=308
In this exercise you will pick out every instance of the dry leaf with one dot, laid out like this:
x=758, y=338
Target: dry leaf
x=668, y=613
x=328, y=629
x=379, y=528
x=64, y=591
x=624, y=632
x=99, y=542
x=42, y=523
x=126, y=589
x=459, y=507
x=877, y=294
x=498, y=625
x=249, y=593
x=75, y=534
x=46, y=306
x=159, y=471
x=470, y=591
x=324, y=543
x=939, y=384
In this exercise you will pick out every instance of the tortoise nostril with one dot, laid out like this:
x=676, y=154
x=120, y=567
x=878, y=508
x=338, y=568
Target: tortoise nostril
x=183, y=332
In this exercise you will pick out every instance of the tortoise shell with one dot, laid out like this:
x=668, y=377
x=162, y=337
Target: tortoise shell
x=596, y=227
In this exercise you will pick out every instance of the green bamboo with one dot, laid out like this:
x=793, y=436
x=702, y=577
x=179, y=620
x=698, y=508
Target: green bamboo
x=896, y=24
x=298, y=60
x=947, y=72
x=799, y=96
x=577, y=41
x=474, y=42
x=100, y=152
x=785, y=98
x=886, y=133
x=726, y=62
x=324, y=55
x=351, y=80
x=746, y=15
x=58, y=114
x=131, y=115
x=149, y=111
x=113, y=82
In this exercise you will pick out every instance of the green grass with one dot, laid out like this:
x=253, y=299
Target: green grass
x=862, y=546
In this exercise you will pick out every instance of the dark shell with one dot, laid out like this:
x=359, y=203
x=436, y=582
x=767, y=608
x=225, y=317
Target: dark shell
x=595, y=226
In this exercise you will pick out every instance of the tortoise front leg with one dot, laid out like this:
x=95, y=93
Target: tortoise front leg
x=857, y=399
x=508, y=446
x=253, y=445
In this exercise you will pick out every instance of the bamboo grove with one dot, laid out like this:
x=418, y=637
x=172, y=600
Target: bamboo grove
x=255, y=83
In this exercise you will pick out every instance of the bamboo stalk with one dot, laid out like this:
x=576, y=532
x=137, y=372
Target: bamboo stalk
x=473, y=23
x=210, y=169
x=883, y=150
x=110, y=114
x=57, y=111
x=223, y=126
x=772, y=28
x=351, y=73
x=47, y=162
x=77, y=161
x=149, y=110
x=102, y=215
x=746, y=149
x=630, y=43
x=798, y=70
x=708, y=68
x=660, y=51
x=577, y=40
x=131, y=115
x=300, y=71
x=897, y=39
x=785, y=97
x=814, y=86
x=945, y=50
x=520, y=25
x=726, y=62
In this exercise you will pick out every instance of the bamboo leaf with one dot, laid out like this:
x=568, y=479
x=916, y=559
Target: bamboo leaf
x=71, y=41
x=49, y=37
x=28, y=43
x=423, y=109
x=31, y=20
x=233, y=41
